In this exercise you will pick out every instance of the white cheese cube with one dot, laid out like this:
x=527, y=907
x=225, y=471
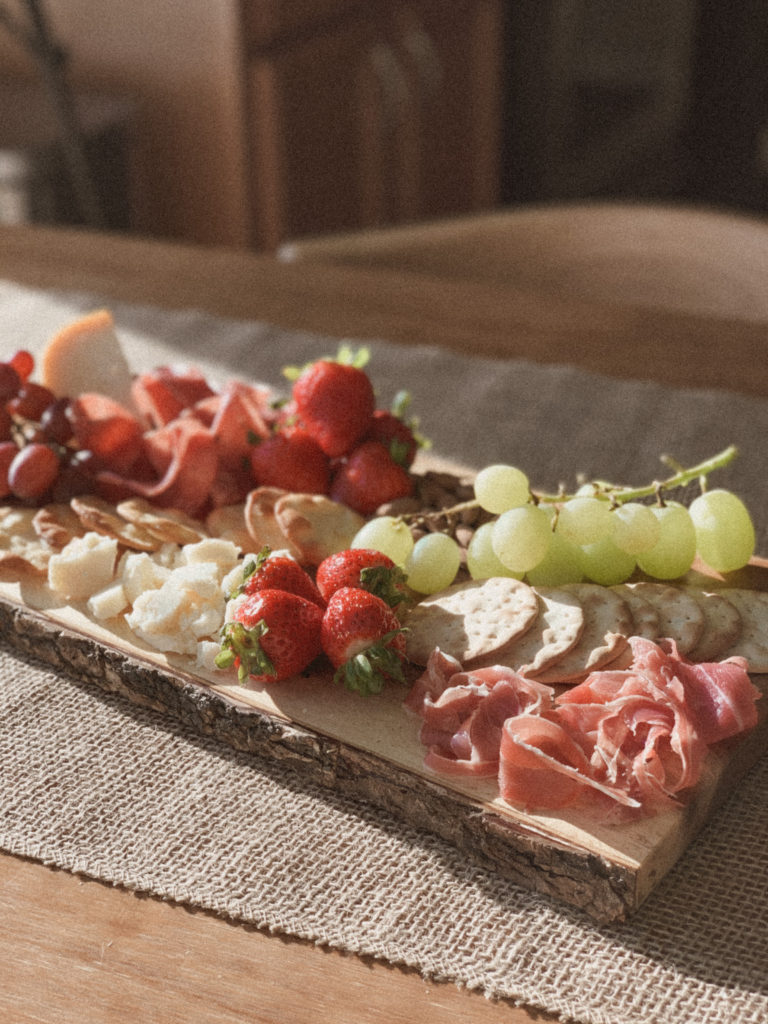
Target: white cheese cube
x=109, y=602
x=83, y=567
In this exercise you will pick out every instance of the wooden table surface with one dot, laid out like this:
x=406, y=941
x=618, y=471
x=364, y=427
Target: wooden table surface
x=79, y=950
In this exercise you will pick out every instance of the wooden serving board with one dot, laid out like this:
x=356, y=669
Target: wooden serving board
x=369, y=748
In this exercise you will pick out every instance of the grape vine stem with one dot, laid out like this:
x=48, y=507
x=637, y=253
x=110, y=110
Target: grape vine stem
x=615, y=493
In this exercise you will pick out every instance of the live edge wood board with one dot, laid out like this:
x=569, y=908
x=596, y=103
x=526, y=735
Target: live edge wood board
x=369, y=749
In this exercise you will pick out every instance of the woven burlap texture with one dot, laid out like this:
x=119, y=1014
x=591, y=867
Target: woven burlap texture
x=94, y=785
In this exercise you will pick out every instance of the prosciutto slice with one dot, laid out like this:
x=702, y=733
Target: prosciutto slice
x=632, y=739
x=542, y=765
x=464, y=712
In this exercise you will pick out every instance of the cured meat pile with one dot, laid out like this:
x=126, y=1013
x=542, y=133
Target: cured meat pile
x=194, y=452
x=625, y=742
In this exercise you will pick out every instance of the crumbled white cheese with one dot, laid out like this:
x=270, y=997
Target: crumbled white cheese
x=212, y=549
x=188, y=607
x=140, y=572
x=109, y=602
x=84, y=566
x=206, y=655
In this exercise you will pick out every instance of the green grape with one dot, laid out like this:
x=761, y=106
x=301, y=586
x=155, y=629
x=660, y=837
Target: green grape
x=499, y=487
x=387, y=534
x=482, y=560
x=673, y=553
x=636, y=528
x=521, y=537
x=561, y=564
x=587, y=490
x=433, y=563
x=725, y=535
x=607, y=564
x=585, y=520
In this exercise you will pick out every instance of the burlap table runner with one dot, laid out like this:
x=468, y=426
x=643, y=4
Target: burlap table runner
x=92, y=784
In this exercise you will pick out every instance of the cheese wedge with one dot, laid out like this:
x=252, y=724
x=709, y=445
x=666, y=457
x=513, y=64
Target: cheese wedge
x=86, y=356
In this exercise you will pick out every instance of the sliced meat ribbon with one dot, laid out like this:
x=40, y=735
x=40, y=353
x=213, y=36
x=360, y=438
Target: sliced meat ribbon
x=162, y=395
x=631, y=740
x=239, y=417
x=645, y=747
x=185, y=458
x=109, y=430
x=435, y=678
x=543, y=766
x=463, y=712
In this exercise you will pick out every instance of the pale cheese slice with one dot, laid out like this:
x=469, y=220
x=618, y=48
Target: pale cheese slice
x=86, y=356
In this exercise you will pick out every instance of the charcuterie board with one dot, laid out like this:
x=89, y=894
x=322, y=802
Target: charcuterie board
x=132, y=506
x=369, y=749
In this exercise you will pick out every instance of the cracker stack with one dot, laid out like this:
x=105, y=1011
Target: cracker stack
x=579, y=628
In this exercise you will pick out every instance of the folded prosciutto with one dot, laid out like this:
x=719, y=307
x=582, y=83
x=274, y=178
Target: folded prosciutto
x=464, y=713
x=633, y=740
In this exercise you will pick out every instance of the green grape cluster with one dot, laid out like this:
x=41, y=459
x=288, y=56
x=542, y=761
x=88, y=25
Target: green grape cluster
x=603, y=533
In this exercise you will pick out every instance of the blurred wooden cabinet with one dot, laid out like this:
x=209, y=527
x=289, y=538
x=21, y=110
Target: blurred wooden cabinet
x=370, y=113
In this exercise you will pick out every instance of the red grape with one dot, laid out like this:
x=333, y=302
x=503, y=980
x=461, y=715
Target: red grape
x=8, y=451
x=23, y=363
x=33, y=471
x=31, y=401
x=10, y=382
x=6, y=424
x=55, y=423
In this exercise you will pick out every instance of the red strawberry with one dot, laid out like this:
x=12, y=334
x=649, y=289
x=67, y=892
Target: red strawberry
x=361, y=567
x=334, y=402
x=278, y=572
x=362, y=638
x=292, y=461
x=369, y=478
x=396, y=436
x=274, y=635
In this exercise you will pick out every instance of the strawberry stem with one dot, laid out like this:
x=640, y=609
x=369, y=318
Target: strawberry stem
x=249, y=568
x=385, y=582
x=242, y=647
x=367, y=672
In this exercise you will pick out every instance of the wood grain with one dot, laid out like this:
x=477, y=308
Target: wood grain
x=80, y=950
x=502, y=321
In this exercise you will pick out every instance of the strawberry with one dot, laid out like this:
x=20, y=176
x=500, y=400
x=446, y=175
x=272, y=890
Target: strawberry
x=361, y=567
x=363, y=640
x=369, y=478
x=396, y=436
x=278, y=572
x=292, y=461
x=274, y=635
x=334, y=402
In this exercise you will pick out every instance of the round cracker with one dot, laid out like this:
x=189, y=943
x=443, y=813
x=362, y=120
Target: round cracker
x=57, y=524
x=722, y=626
x=471, y=619
x=752, y=644
x=556, y=631
x=228, y=522
x=21, y=549
x=316, y=526
x=607, y=623
x=169, y=525
x=645, y=618
x=99, y=516
x=680, y=615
